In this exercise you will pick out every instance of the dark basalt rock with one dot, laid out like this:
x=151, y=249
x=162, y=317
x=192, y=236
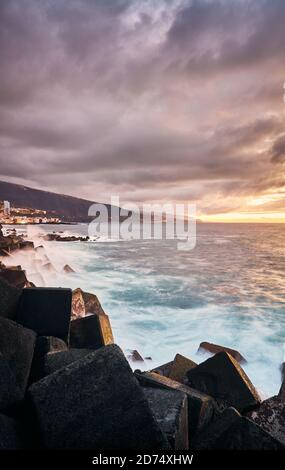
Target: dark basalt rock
x=270, y=416
x=180, y=367
x=223, y=378
x=9, y=298
x=46, y=311
x=244, y=434
x=9, y=434
x=44, y=345
x=201, y=407
x=91, y=332
x=95, y=403
x=56, y=360
x=14, y=277
x=207, y=438
x=17, y=348
x=216, y=348
x=170, y=410
x=84, y=303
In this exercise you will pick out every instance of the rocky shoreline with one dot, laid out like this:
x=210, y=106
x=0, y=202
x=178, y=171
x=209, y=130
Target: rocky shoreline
x=66, y=385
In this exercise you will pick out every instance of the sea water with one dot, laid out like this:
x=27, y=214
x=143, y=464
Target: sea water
x=229, y=290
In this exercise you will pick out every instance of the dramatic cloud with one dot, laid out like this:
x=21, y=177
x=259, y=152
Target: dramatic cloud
x=148, y=99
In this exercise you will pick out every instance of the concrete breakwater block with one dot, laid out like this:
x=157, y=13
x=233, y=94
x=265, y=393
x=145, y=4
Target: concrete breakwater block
x=43, y=346
x=17, y=348
x=95, y=403
x=84, y=303
x=270, y=416
x=281, y=393
x=15, y=277
x=206, y=439
x=216, y=348
x=164, y=369
x=170, y=410
x=9, y=298
x=9, y=434
x=91, y=332
x=201, y=407
x=46, y=311
x=180, y=367
x=244, y=434
x=10, y=393
x=222, y=377
x=56, y=360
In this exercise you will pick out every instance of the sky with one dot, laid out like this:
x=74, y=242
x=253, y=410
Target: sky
x=150, y=100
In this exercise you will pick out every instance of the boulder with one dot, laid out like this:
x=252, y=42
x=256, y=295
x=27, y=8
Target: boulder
x=9, y=298
x=244, y=434
x=9, y=434
x=135, y=356
x=44, y=345
x=14, y=277
x=56, y=360
x=215, y=348
x=91, y=332
x=164, y=369
x=170, y=410
x=270, y=416
x=206, y=439
x=222, y=377
x=84, y=303
x=95, y=403
x=180, y=366
x=201, y=407
x=17, y=348
x=46, y=311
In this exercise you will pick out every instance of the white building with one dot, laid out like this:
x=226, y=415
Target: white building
x=7, y=209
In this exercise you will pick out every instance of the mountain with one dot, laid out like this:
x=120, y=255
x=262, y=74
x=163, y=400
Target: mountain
x=68, y=208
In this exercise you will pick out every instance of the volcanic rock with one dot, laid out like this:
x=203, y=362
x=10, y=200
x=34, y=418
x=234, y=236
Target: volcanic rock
x=95, y=403
x=180, y=366
x=46, y=311
x=170, y=410
x=91, y=332
x=215, y=348
x=222, y=377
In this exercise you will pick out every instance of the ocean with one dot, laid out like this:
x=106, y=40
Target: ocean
x=229, y=290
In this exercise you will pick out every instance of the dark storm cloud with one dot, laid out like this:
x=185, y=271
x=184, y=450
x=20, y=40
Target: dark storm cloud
x=139, y=96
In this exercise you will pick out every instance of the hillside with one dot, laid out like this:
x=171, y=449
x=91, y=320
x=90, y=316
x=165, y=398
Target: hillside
x=67, y=207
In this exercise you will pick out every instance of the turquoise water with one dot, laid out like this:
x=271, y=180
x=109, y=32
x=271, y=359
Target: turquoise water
x=229, y=290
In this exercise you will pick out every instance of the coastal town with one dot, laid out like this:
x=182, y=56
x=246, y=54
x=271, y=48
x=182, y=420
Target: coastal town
x=25, y=215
